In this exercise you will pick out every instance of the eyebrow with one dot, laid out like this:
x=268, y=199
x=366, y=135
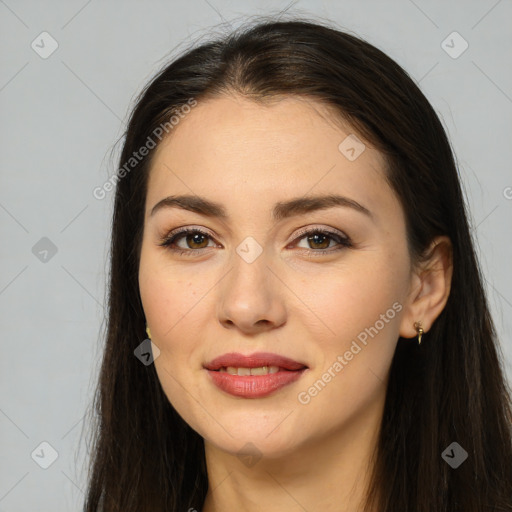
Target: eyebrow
x=282, y=210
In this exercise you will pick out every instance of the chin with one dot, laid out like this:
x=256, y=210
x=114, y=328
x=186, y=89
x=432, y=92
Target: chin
x=254, y=441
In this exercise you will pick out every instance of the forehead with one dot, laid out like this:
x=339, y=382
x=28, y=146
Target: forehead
x=231, y=147
x=290, y=126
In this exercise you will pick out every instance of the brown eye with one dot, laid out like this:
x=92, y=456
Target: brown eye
x=319, y=241
x=195, y=239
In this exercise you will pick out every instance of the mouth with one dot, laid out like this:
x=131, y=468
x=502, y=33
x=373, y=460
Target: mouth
x=260, y=370
x=261, y=362
x=254, y=376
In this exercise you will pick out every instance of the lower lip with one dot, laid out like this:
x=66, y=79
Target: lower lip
x=254, y=386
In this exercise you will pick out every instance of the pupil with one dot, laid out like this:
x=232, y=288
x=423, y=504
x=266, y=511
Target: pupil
x=314, y=238
x=195, y=237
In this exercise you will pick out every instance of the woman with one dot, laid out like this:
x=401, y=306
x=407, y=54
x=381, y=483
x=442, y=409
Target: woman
x=289, y=231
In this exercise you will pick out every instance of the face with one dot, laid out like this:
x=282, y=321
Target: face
x=322, y=284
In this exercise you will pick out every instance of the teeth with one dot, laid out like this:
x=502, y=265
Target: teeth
x=262, y=370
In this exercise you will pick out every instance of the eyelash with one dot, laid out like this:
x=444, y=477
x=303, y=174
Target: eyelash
x=171, y=238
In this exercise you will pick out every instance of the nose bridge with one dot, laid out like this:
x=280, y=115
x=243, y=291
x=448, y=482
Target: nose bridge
x=249, y=295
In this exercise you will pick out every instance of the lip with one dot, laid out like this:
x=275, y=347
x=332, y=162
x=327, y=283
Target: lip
x=253, y=361
x=254, y=386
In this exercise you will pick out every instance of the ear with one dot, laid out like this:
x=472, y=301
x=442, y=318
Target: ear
x=430, y=288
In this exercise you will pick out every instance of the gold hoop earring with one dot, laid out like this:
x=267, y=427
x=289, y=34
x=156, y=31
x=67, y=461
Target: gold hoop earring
x=419, y=330
x=148, y=332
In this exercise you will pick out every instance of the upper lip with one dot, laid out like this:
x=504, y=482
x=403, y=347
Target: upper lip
x=255, y=360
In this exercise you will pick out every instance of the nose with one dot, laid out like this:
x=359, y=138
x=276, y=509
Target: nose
x=251, y=297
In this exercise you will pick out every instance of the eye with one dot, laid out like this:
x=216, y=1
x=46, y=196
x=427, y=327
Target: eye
x=194, y=236
x=197, y=239
x=320, y=240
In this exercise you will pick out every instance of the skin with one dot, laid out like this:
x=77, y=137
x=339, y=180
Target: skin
x=249, y=156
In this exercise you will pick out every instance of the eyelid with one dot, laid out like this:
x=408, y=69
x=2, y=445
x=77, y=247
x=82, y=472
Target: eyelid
x=323, y=228
x=173, y=234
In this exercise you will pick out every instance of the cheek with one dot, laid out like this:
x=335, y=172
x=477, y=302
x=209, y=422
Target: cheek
x=351, y=370
x=176, y=303
x=167, y=297
x=348, y=300
x=360, y=304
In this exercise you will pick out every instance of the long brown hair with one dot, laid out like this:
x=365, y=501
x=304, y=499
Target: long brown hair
x=451, y=388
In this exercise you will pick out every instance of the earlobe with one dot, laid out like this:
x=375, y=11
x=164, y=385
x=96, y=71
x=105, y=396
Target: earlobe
x=430, y=290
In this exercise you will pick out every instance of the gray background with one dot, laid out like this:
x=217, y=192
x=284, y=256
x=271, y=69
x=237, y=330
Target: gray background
x=61, y=117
